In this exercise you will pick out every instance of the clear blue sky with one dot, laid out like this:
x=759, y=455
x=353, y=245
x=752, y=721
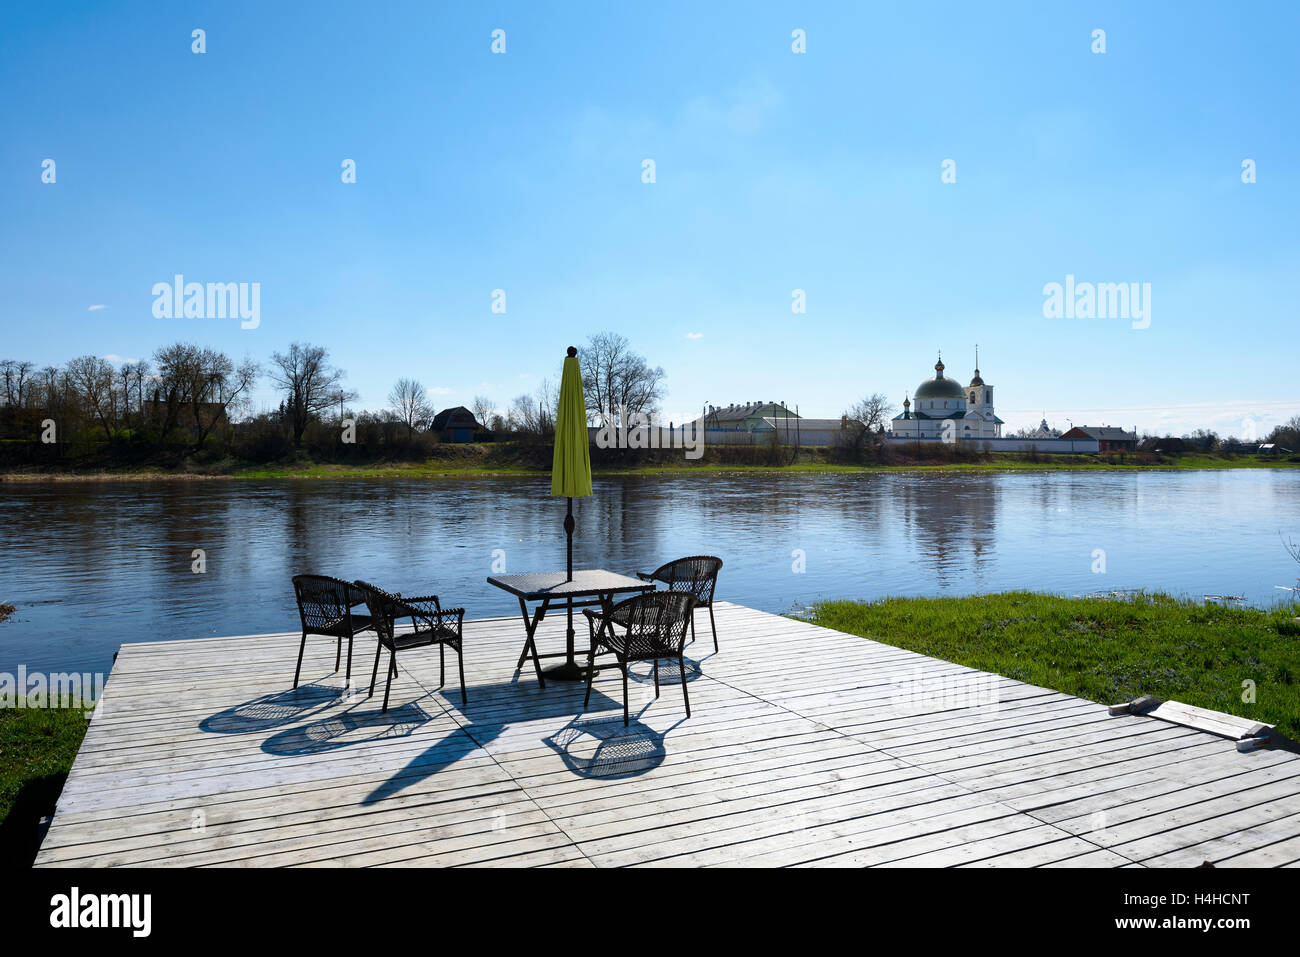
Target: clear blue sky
x=775, y=171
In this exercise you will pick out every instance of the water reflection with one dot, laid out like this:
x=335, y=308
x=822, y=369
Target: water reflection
x=92, y=565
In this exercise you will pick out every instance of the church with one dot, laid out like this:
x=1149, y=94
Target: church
x=940, y=400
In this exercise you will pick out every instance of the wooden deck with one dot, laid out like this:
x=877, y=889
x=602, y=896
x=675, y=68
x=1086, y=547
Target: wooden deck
x=806, y=747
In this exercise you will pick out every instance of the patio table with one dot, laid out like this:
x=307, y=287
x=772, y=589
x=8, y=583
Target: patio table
x=589, y=586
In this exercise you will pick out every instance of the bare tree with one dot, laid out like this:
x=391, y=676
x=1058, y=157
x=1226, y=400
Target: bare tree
x=15, y=377
x=410, y=401
x=1287, y=435
x=91, y=379
x=865, y=419
x=534, y=415
x=200, y=384
x=309, y=383
x=614, y=377
x=483, y=409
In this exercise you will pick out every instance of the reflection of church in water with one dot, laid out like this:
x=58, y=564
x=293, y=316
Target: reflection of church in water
x=942, y=405
x=952, y=522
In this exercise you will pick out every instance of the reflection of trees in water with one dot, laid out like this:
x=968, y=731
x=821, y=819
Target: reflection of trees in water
x=952, y=520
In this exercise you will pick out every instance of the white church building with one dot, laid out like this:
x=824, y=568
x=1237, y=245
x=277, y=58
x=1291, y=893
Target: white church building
x=943, y=405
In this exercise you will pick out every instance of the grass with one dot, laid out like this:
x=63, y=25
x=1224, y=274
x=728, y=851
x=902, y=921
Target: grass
x=469, y=461
x=1107, y=650
x=37, y=746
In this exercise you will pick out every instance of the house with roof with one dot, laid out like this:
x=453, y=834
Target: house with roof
x=1109, y=438
x=944, y=407
x=746, y=417
x=455, y=425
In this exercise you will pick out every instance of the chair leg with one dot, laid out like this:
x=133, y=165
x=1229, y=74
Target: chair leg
x=379, y=647
x=692, y=626
x=714, y=625
x=686, y=695
x=301, y=649
x=348, y=678
x=656, y=677
x=460, y=663
x=392, y=669
x=625, y=715
x=591, y=673
x=338, y=654
x=442, y=665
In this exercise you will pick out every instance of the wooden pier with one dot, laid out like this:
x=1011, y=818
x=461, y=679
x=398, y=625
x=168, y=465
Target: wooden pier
x=806, y=747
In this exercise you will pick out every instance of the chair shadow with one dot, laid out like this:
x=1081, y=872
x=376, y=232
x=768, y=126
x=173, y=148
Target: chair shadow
x=484, y=712
x=272, y=710
x=615, y=752
x=591, y=747
x=643, y=671
x=348, y=730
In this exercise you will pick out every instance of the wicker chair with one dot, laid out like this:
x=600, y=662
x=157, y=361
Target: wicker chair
x=697, y=576
x=654, y=626
x=325, y=606
x=431, y=625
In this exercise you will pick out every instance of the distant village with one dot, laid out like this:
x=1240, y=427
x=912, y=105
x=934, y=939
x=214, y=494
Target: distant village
x=940, y=410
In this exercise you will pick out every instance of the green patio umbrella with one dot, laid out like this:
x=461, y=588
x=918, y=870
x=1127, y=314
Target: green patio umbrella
x=571, y=465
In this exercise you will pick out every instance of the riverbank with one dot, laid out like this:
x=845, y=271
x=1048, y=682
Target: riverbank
x=1240, y=660
x=38, y=746
x=468, y=461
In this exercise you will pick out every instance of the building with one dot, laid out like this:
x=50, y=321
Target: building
x=943, y=406
x=1109, y=438
x=1044, y=431
x=746, y=417
x=455, y=425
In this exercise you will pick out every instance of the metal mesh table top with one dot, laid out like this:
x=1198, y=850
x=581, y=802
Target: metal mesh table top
x=586, y=581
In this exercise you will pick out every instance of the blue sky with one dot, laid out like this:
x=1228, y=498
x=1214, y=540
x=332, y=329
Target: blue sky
x=774, y=171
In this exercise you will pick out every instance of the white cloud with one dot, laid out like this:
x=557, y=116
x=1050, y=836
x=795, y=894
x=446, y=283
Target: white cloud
x=440, y=390
x=694, y=335
x=96, y=308
x=116, y=359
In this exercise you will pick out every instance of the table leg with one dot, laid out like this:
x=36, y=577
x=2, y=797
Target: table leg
x=571, y=670
x=530, y=643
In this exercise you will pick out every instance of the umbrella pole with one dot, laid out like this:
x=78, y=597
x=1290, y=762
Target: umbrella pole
x=568, y=532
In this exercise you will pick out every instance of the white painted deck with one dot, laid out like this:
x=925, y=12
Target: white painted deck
x=800, y=751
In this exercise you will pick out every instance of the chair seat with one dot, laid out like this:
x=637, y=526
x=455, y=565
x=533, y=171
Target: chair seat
x=424, y=636
x=645, y=649
x=338, y=627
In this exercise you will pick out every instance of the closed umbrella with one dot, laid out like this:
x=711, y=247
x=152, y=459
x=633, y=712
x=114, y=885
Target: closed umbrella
x=570, y=474
x=571, y=465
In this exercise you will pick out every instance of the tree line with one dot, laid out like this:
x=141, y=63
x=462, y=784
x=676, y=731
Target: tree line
x=189, y=398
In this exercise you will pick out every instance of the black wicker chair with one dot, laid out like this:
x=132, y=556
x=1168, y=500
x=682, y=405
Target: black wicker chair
x=325, y=606
x=431, y=624
x=697, y=576
x=654, y=626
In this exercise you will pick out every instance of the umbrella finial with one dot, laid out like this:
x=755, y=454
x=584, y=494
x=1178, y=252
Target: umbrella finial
x=573, y=350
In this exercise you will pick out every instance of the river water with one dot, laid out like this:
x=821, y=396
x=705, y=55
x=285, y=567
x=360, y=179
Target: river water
x=92, y=565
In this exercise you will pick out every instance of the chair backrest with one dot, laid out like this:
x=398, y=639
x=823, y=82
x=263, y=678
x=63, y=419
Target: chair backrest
x=382, y=606
x=696, y=575
x=657, y=622
x=322, y=601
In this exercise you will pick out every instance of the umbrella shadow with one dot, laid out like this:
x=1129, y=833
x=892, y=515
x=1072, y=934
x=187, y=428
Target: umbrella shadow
x=493, y=709
x=272, y=710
